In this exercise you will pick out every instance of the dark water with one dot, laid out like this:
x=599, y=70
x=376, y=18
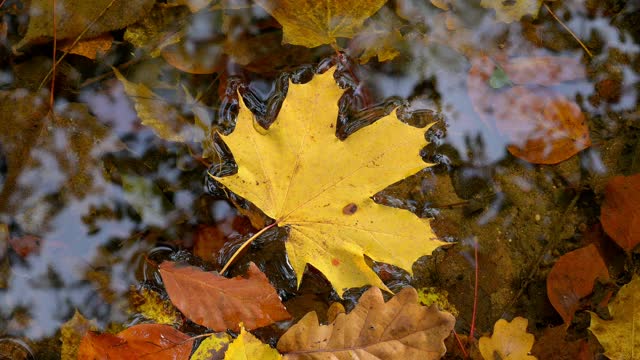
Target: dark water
x=91, y=199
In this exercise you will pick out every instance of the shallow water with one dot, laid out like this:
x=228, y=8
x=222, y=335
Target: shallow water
x=91, y=199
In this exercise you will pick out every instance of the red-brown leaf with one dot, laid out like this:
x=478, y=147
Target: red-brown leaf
x=572, y=278
x=144, y=341
x=620, y=212
x=220, y=303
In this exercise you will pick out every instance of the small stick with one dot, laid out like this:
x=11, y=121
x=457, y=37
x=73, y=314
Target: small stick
x=74, y=42
x=569, y=30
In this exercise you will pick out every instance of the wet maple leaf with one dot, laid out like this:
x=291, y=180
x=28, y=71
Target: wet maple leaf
x=300, y=174
x=398, y=329
x=220, y=303
x=618, y=335
x=313, y=23
x=510, y=340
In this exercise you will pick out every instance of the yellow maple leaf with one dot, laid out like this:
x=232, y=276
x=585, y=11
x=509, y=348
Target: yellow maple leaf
x=246, y=346
x=302, y=176
x=510, y=341
x=510, y=11
x=313, y=23
x=618, y=335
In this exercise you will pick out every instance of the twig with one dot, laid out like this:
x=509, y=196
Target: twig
x=53, y=68
x=66, y=52
x=569, y=30
x=475, y=289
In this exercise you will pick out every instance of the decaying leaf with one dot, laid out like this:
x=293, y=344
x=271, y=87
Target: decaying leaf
x=300, y=174
x=151, y=305
x=73, y=16
x=160, y=116
x=619, y=336
x=542, y=127
x=313, y=23
x=220, y=303
x=398, y=329
x=144, y=341
x=71, y=334
x=620, y=213
x=513, y=10
x=510, y=340
x=89, y=48
x=213, y=347
x=246, y=346
x=380, y=37
x=572, y=278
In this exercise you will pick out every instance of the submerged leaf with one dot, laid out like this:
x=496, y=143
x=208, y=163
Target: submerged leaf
x=542, y=127
x=220, y=303
x=572, y=278
x=313, y=23
x=512, y=10
x=618, y=336
x=398, y=329
x=71, y=334
x=620, y=214
x=74, y=16
x=160, y=116
x=300, y=174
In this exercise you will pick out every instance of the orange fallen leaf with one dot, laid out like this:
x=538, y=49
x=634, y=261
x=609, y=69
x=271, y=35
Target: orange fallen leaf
x=510, y=340
x=89, y=48
x=620, y=214
x=542, y=127
x=221, y=303
x=572, y=278
x=398, y=329
x=144, y=341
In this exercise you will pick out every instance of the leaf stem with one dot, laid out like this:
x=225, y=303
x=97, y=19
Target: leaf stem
x=246, y=243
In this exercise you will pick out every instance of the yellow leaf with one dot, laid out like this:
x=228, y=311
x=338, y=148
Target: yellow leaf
x=157, y=114
x=71, y=335
x=212, y=347
x=510, y=341
x=619, y=336
x=398, y=329
x=247, y=346
x=510, y=11
x=152, y=306
x=313, y=23
x=302, y=176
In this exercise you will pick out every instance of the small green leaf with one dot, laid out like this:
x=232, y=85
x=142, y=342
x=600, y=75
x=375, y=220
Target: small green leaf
x=499, y=79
